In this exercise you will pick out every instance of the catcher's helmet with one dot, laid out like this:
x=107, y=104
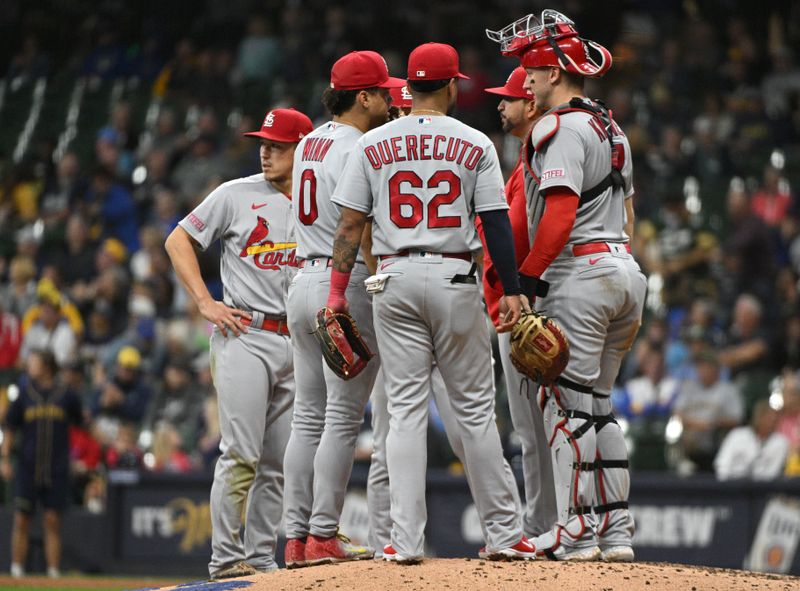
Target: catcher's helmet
x=551, y=40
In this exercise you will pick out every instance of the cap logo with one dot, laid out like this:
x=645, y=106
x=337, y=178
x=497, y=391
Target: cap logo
x=269, y=119
x=420, y=72
x=406, y=95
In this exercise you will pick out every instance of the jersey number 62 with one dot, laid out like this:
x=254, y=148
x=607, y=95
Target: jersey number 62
x=411, y=215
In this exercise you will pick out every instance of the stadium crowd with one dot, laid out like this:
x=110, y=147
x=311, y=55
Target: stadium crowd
x=715, y=136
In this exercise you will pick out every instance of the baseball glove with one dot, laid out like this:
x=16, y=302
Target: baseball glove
x=344, y=350
x=539, y=348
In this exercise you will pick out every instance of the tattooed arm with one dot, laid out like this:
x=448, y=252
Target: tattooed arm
x=345, y=248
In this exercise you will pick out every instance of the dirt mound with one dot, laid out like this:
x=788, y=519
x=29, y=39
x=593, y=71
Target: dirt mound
x=472, y=574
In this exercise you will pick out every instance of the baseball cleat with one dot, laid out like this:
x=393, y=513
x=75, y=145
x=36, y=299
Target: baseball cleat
x=522, y=550
x=338, y=548
x=295, y=553
x=239, y=569
x=617, y=554
x=391, y=555
x=571, y=554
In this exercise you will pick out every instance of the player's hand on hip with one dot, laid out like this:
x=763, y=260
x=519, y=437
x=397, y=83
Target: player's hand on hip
x=513, y=307
x=223, y=317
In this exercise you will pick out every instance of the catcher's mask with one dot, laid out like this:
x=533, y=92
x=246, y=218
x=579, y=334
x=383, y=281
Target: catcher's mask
x=551, y=40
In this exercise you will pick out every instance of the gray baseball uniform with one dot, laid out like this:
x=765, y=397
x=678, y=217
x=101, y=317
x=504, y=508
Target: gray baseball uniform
x=423, y=178
x=378, y=499
x=597, y=294
x=253, y=372
x=328, y=411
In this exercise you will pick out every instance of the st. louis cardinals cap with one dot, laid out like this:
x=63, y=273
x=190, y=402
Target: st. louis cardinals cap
x=401, y=97
x=362, y=69
x=434, y=61
x=283, y=125
x=514, y=86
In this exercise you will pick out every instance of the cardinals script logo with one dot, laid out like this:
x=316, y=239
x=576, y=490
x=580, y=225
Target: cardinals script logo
x=269, y=119
x=266, y=253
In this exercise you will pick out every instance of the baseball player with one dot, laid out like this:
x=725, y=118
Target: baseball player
x=578, y=181
x=328, y=411
x=518, y=113
x=251, y=355
x=423, y=178
x=378, y=500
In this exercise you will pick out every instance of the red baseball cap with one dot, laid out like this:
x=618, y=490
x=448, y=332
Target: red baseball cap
x=513, y=87
x=434, y=61
x=283, y=125
x=362, y=69
x=401, y=97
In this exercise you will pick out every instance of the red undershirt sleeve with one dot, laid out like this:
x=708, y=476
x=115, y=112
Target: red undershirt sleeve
x=553, y=231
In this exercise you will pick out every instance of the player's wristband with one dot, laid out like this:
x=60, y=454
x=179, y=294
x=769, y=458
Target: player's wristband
x=533, y=286
x=339, y=282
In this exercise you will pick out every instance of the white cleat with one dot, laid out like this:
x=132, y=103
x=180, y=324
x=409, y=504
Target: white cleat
x=391, y=555
x=618, y=554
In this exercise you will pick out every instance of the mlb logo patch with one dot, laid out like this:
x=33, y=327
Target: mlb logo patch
x=420, y=72
x=424, y=120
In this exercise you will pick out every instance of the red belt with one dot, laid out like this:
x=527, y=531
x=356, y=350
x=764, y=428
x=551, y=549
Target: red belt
x=464, y=256
x=271, y=324
x=594, y=248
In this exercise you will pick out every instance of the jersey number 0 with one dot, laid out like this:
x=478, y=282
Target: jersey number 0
x=412, y=214
x=308, y=198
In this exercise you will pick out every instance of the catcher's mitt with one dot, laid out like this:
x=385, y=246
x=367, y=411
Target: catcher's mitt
x=344, y=350
x=539, y=348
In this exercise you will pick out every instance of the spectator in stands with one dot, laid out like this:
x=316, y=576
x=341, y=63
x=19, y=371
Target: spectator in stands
x=40, y=417
x=157, y=165
x=61, y=191
x=28, y=64
x=754, y=451
x=123, y=397
x=684, y=255
x=19, y=293
x=706, y=407
x=110, y=155
x=748, y=253
x=650, y=395
x=50, y=331
x=179, y=401
x=198, y=169
x=123, y=453
x=168, y=455
x=773, y=200
x=747, y=343
x=208, y=444
x=789, y=420
x=77, y=259
x=259, y=56
x=113, y=208
x=10, y=342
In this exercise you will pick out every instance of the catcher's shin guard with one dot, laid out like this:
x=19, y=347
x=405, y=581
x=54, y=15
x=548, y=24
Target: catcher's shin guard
x=613, y=482
x=571, y=434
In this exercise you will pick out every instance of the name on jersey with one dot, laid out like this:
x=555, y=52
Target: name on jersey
x=423, y=147
x=316, y=148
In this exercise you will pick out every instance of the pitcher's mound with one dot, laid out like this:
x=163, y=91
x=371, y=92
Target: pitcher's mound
x=467, y=574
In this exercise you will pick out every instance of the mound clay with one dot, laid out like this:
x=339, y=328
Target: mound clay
x=458, y=574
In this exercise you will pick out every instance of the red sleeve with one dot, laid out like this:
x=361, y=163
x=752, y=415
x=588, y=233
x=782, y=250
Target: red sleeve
x=553, y=231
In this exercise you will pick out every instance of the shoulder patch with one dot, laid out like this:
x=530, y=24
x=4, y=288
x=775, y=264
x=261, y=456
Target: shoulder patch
x=544, y=129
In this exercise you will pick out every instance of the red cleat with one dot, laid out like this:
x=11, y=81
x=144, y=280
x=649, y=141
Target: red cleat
x=338, y=548
x=295, y=553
